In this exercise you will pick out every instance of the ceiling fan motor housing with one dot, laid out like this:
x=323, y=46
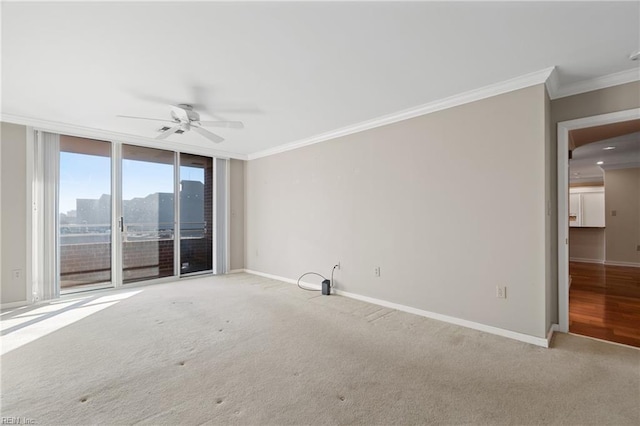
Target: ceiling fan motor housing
x=182, y=110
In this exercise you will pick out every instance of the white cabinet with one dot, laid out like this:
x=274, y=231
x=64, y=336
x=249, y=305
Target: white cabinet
x=586, y=207
x=593, y=209
x=574, y=209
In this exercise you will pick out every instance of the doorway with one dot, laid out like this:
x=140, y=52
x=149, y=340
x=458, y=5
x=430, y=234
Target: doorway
x=594, y=288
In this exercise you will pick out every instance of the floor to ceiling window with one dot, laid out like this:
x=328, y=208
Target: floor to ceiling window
x=84, y=209
x=148, y=213
x=196, y=213
x=118, y=219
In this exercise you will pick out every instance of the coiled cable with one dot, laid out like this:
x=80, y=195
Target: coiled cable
x=315, y=273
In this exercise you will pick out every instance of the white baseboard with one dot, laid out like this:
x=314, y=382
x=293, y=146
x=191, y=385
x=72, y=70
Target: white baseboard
x=286, y=280
x=585, y=260
x=538, y=341
x=604, y=262
x=14, y=304
x=614, y=263
x=235, y=271
x=552, y=329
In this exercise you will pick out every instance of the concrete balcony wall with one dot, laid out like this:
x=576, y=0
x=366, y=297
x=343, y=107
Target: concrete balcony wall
x=90, y=263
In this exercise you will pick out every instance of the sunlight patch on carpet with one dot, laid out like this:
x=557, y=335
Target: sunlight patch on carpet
x=32, y=325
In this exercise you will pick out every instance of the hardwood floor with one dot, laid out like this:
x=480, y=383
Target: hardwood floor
x=604, y=302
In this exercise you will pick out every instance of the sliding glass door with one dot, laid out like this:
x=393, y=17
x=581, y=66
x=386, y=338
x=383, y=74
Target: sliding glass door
x=196, y=214
x=84, y=213
x=148, y=213
x=118, y=217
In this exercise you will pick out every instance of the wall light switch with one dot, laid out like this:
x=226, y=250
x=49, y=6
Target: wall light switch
x=614, y=212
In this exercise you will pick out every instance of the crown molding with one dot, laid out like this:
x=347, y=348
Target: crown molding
x=548, y=77
x=553, y=83
x=527, y=80
x=597, y=83
x=88, y=132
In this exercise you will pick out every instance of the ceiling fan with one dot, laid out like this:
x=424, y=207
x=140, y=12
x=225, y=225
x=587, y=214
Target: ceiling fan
x=184, y=118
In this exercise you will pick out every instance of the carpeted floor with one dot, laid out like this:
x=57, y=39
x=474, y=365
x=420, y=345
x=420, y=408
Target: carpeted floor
x=242, y=349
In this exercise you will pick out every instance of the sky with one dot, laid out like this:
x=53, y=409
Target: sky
x=89, y=176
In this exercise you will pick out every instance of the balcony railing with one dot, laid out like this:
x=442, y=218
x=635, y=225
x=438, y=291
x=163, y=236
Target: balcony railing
x=158, y=231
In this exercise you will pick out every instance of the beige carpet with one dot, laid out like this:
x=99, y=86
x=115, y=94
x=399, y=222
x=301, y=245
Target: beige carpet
x=242, y=349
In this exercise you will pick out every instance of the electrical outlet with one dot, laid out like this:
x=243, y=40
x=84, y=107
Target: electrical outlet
x=614, y=213
x=638, y=247
x=501, y=292
x=377, y=271
x=16, y=274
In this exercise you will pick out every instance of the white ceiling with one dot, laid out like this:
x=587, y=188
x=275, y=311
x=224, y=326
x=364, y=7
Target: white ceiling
x=289, y=70
x=583, y=167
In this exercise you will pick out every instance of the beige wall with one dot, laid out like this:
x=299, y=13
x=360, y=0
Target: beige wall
x=622, y=194
x=586, y=244
x=603, y=101
x=236, y=221
x=551, y=243
x=448, y=205
x=14, y=212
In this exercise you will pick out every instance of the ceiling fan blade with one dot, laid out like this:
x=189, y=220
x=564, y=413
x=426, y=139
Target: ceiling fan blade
x=151, y=98
x=227, y=124
x=144, y=118
x=168, y=133
x=237, y=109
x=207, y=134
